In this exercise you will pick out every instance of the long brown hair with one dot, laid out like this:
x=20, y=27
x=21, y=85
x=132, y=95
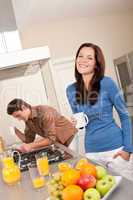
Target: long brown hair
x=82, y=95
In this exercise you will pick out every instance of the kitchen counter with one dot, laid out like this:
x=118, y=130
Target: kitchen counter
x=25, y=191
x=22, y=190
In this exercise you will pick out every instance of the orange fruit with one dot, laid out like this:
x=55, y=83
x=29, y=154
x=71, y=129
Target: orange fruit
x=88, y=169
x=70, y=177
x=80, y=163
x=72, y=192
x=64, y=166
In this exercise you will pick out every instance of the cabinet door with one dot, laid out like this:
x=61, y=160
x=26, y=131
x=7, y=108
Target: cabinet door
x=63, y=75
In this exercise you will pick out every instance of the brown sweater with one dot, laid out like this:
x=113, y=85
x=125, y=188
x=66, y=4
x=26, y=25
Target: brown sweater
x=48, y=123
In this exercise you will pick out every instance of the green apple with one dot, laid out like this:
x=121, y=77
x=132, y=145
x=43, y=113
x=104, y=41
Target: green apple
x=103, y=186
x=91, y=194
x=101, y=172
x=57, y=176
x=110, y=179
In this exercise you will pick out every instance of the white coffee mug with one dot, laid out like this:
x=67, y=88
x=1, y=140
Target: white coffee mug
x=81, y=119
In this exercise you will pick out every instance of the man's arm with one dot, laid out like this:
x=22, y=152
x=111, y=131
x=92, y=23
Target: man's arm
x=40, y=143
x=20, y=135
x=35, y=145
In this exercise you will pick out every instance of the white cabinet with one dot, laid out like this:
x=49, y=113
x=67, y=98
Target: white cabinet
x=63, y=75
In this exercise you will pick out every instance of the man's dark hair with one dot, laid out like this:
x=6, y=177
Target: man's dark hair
x=16, y=105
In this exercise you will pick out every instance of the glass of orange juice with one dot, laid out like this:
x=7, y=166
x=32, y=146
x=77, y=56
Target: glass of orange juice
x=42, y=163
x=38, y=181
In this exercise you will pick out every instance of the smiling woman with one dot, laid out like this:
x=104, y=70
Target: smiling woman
x=96, y=95
x=86, y=61
x=89, y=70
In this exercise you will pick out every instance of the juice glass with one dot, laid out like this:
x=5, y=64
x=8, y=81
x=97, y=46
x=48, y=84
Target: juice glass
x=37, y=180
x=42, y=163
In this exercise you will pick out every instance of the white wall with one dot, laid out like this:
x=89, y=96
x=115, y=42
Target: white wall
x=113, y=33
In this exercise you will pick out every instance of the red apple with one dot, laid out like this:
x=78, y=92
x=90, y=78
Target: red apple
x=86, y=181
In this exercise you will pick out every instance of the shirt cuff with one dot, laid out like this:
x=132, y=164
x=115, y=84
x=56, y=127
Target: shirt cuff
x=128, y=149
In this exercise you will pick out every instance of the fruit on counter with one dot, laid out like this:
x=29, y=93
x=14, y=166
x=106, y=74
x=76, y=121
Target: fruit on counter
x=55, y=187
x=64, y=166
x=72, y=192
x=56, y=176
x=88, y=169
x=110, y=179
x=100, y=172
x=86, y=181
x=55, y=191
x=105, y=184
x=91, y=194
x=70, y=177
x=80, y=163
x=68, y=182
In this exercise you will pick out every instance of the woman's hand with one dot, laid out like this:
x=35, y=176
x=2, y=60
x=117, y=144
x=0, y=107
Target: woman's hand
x=74, y=121
x=125, y=155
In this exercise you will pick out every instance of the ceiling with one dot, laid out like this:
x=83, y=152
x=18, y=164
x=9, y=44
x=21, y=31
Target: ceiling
x=36, y=11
